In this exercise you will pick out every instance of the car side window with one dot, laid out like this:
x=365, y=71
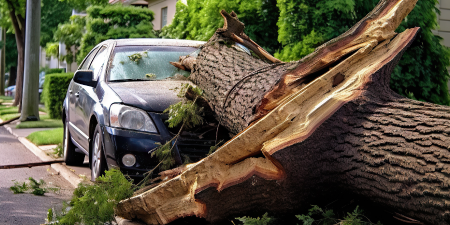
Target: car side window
x=88, y=60
x=98, y=62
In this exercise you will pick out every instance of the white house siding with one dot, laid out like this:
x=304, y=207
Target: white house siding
x=156, y=6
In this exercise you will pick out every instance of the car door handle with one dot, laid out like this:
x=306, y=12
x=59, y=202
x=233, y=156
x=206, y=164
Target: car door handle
x=70, y=91
x=77, y=94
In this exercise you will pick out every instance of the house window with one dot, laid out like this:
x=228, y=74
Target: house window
x=163, y=17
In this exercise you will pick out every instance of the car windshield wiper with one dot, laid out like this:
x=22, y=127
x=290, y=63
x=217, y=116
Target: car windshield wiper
x=125, y=80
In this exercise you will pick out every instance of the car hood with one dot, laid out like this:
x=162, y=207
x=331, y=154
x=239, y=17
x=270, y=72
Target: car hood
x=154, y=96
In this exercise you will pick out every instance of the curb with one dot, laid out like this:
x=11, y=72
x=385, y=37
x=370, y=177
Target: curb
x=65, y=172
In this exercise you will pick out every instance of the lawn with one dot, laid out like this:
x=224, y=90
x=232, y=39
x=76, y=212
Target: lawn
x=47, y=137
x=9, y=116
x=8, y=110
x=5, y=97
x=45, y=122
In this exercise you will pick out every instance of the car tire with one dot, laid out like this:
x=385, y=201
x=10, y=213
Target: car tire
x=98, y=161
x=71, y=157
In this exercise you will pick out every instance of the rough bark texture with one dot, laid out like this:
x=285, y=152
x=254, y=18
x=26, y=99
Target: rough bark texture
x=18, y=23
x=381, y=146
x=234, y=81
x=344, y=131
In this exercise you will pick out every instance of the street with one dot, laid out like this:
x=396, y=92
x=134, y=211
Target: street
x=26, y=208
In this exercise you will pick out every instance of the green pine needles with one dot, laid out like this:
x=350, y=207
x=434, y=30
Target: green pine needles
x=95, y=203
x=185, y=112
x=33, y=187
x=315, y=216
x=186, y=115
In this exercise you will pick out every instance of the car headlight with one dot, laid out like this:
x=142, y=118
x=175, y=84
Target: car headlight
x=127, y=117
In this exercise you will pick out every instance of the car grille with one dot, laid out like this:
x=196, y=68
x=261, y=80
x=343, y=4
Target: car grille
x=194, y=149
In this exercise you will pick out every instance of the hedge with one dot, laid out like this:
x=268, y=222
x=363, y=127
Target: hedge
x=55, y=89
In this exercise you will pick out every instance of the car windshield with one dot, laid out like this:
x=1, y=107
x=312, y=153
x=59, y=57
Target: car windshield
x=147, y=62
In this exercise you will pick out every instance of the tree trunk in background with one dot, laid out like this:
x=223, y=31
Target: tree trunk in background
x=311, y=130
x=19, y=75
x=2, y=61
x=18, y=23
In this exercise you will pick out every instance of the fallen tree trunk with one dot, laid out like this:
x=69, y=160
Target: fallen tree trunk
x=325, y=125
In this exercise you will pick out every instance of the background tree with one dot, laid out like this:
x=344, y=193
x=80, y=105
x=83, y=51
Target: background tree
x=422, y=72
x=13, y=19
x=53, y=13
x=198, y=20
x=82, y=5
x=115, y=21
x=70, y=34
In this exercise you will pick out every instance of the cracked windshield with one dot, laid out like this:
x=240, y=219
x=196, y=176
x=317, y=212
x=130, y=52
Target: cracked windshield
x=147, y=62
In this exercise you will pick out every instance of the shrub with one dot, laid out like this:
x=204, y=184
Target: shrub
x=422, y=71
x=113, y=22
x=55, y=88
x=199, y=19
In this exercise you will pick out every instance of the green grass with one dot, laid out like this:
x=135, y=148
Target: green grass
x=9, y=116
x=45, y=122
x=8, y=110
x=47, y=137
x=5, y=97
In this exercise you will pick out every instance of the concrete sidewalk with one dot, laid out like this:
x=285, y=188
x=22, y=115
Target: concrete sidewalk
x=73, y=174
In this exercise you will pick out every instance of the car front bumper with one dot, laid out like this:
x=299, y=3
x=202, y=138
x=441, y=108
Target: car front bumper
x=118, y=142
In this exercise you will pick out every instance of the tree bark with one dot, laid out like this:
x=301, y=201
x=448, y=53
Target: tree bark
x=333, y=126
x=19, y=29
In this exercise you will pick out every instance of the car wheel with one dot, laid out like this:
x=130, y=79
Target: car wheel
x=70, y=156
x=98, y=161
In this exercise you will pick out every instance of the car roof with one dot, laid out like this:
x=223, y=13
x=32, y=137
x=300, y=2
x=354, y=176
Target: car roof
x=155, y=42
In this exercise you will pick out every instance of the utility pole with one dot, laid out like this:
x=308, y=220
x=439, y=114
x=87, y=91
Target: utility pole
x=2, y=61
x=30, y=95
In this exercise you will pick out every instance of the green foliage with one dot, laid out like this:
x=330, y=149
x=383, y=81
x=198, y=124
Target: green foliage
x=47, y=137
x=317, y=215
x=164, y=155
x=70, y=34
x=185, y=112
x=264, y=220
x=422, y=71
x=53, y=70
x=95, y=203
x=58, y=151
x=81, y=5
x=36, y=187
x=19, y=188
x=304, y=25
x=115, y=21
x=199, y=19
x=54, y=92
x=52, y=49
x=53, y=12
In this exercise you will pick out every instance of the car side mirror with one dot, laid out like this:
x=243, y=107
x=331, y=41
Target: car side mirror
x=85, y=77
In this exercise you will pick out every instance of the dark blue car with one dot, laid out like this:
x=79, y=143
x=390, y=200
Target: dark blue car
x=113, y=110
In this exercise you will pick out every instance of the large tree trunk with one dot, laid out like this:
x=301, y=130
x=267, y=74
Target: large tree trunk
x=326, y=125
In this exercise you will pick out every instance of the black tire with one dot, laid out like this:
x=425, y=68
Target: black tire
x=97, y=157
x=71, y=157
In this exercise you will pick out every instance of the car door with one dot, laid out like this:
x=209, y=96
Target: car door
x=74, y=89
x=87, y=97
